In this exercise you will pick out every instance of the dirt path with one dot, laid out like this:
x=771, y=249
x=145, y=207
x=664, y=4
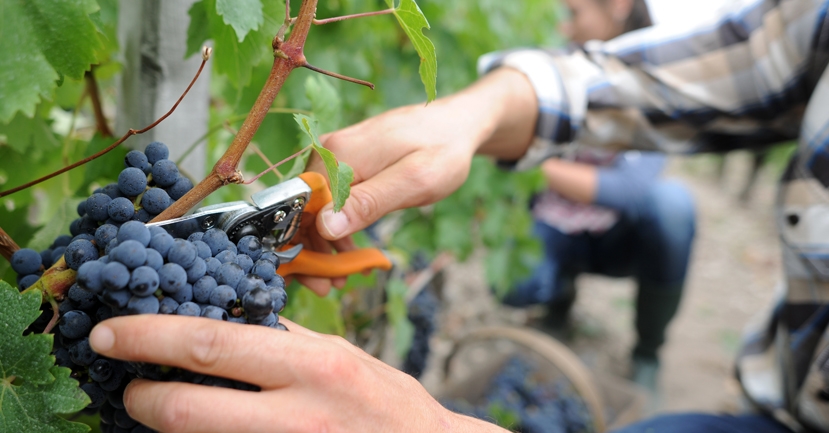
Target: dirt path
x=734, y=270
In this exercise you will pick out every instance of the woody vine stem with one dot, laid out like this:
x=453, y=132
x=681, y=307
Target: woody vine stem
x=288, y=55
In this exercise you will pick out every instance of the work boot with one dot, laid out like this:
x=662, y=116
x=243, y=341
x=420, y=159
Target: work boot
x=559, y=308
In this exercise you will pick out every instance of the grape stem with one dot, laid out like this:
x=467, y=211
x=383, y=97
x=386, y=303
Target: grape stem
x=127, y=135
x=55, y=315
x=97, y=108
x=348, y=17
x=7, y=245
x=273, y=167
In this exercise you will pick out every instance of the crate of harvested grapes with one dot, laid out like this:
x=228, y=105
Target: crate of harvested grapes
x=526, y=381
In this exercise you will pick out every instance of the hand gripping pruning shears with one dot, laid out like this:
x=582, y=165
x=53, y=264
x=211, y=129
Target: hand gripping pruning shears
x=274, y=216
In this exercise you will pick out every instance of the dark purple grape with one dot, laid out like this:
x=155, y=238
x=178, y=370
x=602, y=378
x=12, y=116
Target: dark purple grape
x=130, y=252
x=89, y=276
x=202, y=289
x=168, y=305
x=213, y=312
x=26, y=261
x=165, y=173
x=97, y=206
x=156, y=151
x=155, y=200
x=264, y=269
x=79, y=252
x=215, y=239
x=131, y=182
x=104, y=234
x=251, y=246
x=143, y=305
x=181, y=187
x=121, y=209
x=172, y=278
x=223, y=296
x=134, y=230
x=258, y=303
x=162, y=243
x=138, y=160
x=189, y=309
x=143, y=281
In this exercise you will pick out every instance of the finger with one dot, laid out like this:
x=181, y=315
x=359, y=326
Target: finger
x=208, y=346
x=392, y=189
x=320, y=286
x=184, y=408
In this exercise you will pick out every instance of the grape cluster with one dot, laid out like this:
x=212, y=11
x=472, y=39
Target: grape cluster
x=537, y=406
x=125, y=267
x=423, y=315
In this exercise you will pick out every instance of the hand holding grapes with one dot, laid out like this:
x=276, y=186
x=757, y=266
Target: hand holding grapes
x=310, y=382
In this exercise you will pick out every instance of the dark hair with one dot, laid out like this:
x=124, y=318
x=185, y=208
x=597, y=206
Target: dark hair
x=639, y=17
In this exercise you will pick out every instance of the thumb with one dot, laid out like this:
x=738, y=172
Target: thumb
x=368, y=202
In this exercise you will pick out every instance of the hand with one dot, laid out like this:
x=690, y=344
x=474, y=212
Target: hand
x=310, y=382
x=417, y=155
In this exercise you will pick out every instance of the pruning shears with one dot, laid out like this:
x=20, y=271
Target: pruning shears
x=274, y=216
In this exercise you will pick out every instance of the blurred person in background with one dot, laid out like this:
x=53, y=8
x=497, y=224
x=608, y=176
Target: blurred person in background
x=610, y=213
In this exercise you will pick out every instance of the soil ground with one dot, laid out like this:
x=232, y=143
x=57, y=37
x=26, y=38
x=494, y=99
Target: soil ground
x=734, y=269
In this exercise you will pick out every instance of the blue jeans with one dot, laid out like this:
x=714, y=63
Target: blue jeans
x=705, y=423
x=651, y=244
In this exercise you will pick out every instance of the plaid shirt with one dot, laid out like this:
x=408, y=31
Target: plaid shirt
x=756, y=74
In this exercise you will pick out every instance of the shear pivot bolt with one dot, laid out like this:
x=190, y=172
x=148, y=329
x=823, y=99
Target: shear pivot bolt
x=298, y=203
x=207, y=223
x=279, y=216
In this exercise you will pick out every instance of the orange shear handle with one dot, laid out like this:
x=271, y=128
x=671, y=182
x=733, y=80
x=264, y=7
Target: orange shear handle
x=325, y=265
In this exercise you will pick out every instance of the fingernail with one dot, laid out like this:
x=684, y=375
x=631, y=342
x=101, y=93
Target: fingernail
x=335, y=223
x=102, y=338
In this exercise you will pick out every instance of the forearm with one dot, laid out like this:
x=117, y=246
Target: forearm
x=499, y=110
x=575, y=181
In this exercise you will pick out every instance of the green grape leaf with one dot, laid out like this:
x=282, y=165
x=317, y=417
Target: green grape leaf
x=34, y=391
x=340, y=175
x=43, y=40
x=234, y=54
x=325, y=102
x=412, y=21
x=398, y=315
x=316, y=313
x=243, y=15
x=298, y=166
x=23, y=132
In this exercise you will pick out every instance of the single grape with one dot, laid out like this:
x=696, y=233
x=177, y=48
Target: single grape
x=130, y=252
x=172, y=277
x=27, y=281
x=112, y=191
x=123, y=420
x=136, y=231
x=61, y=241
x=229, y=274
x=156, y=151
x=168, y=305
x=202, y=289
x=131, y=182
x=142, y=216
x=75, y=324
x=82, y=236
x=116, y=379
x=251, y=246
x=143, y=281
x=162, y=243
x=89, y=276
x=75, y=227
x=143, y=305
x=165, y=173
x=117, y=299
x=270, y=320
x=97, y=206
x=195, y=236
x=104, y=234
x=188, y=309
x=257, y=303
x=213, y=312
x=226, y=257
x=247, y=284
x=115, y=276
x=97, y=396
x=244, y=262
x=82, y=354
x=183, y=253
x=271, y=257
x=57, y=253
x=223, y=296
x=103, y=312
x=264, y=269
x=280, y=298
x=82, y=208
x=196, y=270
x=62, y=357
x=202, y=250
x=138, y=160
x=277, y=281
x=155, y=230
x=230, y=246
x=83, y=299
x=154, y=259
x=215, y=239
x=155, y=200
x=100, y=370
x=181, y=187
x=110, y=246
x=79, y=252
x=185, y=294
x=26, y=261
x=121, y=209
x=46, y=257
x=212, y=266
